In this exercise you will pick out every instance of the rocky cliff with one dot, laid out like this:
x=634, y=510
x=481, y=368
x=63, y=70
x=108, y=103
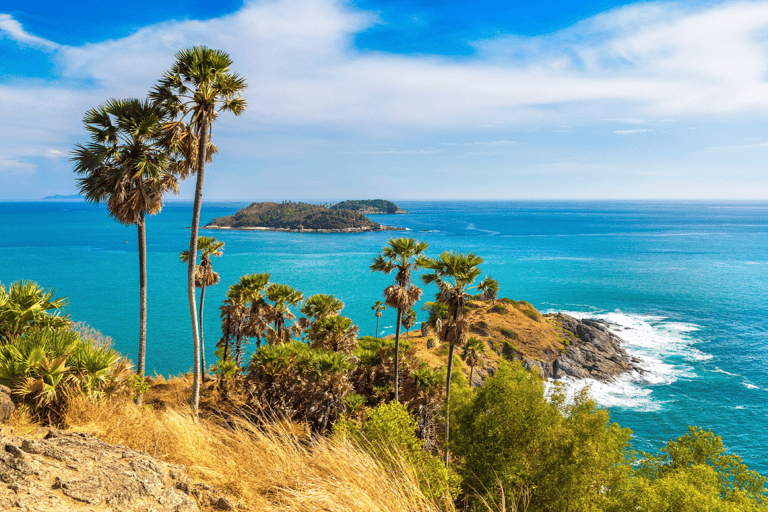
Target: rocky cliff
x=75, y=471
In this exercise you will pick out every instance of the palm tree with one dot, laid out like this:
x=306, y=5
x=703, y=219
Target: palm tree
x=403, y=255
x=471, y=354
x=454, y=275
x=26, y=306
x=409, y=320
x=336, y=333
x=243, y=301
x=321, y=306
x=378, y=307
x=198, y=86
x=490, y=289
x=126, y=166
x=283, y=297
x=204, y=276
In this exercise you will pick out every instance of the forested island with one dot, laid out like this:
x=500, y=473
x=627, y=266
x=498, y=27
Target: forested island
x=369, y=206
x=305, y=217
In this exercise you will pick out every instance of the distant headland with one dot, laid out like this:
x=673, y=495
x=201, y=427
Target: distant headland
x=59, y=197
x=344, y=217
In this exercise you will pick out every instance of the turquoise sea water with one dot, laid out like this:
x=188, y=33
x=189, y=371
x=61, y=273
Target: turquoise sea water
x=685, y=284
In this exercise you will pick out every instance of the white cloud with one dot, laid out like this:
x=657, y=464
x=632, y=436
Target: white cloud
x=13, y=30
x=17, y=167
x=54, y=153
x=638, y=65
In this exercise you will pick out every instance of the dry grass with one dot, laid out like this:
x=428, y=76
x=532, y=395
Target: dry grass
x=262, y=469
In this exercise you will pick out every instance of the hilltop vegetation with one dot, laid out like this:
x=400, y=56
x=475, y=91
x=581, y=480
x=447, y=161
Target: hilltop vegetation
x=369, y=206
x=296, y=216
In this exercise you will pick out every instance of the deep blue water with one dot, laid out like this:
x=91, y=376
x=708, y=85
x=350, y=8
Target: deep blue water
x=684, y=282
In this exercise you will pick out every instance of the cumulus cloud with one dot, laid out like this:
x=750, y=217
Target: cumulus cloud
x=636, y=65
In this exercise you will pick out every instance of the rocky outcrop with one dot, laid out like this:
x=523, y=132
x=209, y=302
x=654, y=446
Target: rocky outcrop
x=76, y=471
x=590, y=351
x=6, y=404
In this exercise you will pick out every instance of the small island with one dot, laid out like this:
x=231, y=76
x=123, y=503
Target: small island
x=303, y=217
x=370, y=207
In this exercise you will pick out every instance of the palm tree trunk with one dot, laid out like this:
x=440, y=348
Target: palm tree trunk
x=202, y=344
x=203, y=145
x=141, y=366
x=447, y=401
x=377, y=327
x=471, y=372
x=397, y=355
x=239, y=350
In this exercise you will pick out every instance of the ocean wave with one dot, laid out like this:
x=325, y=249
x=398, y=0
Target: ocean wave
x=749, y=386
x=664, y=349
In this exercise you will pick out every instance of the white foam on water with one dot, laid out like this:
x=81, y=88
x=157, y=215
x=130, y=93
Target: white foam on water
x=749, y=386
x=663, y=347
x=720, y=370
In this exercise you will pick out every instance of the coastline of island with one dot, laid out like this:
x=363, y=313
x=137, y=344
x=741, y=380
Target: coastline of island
x=298, y=217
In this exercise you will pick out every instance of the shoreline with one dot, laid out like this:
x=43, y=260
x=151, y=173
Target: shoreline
x=303, y=230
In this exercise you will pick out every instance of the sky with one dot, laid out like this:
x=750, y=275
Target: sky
x=412, y=99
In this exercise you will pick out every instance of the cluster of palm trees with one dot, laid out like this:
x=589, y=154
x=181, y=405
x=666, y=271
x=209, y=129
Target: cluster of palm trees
x=140, y=149
x=454, y=274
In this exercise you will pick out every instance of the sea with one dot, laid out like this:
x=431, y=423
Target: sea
x=683, y=283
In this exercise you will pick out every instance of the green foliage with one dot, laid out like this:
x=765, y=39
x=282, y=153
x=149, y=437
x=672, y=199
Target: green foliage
x=499, y=309
x=541, y=454
x=43, y=367
x=694, y=473
x=290, y=215
x=508, y=333
x=25, y=306
x=379, y=204
x=390, y=434
x=427, y=378
x=533, y=315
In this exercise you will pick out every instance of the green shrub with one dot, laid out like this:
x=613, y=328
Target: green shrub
x=539, y=454
x=533, y=315
x=498, y=308
x=390, y=435
x=508, y=333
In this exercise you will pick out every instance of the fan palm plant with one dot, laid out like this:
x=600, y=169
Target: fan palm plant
x=126, y=166
x=454, y=275
x=336, y=333
x=409, y=320
x=471, y=354
x=204, y=276
x=403, y=255
x=283, y=298
x=198, y=86
x=244, y=310
x=24, y=306
x=378, y=307
x=489, y=288
x=320, y=306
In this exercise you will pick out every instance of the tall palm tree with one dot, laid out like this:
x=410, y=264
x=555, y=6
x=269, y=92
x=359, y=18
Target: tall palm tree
x=198, y=86
x=126, y=166
x=454, y=275
x=204, y=276
x=336, y=333
x=26, y=306
x=378, y=307
x=403, y=255
x=283, y=298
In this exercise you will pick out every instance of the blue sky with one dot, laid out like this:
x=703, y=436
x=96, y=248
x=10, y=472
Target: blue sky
x=413, y=99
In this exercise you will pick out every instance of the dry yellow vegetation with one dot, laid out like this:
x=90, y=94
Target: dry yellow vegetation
x=277, y=467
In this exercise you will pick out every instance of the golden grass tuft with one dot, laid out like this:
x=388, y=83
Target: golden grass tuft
x=262, y=469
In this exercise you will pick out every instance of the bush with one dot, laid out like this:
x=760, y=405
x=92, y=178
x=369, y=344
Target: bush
x=389, y=435
x=541, y=454
x=508, y=333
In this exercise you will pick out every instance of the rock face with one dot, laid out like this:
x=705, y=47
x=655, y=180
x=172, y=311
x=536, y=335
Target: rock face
x=6, y=404
x=591, y=352
x=75, y=471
